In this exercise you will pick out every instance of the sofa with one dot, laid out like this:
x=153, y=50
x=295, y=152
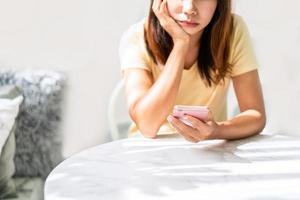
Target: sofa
x=31, y=109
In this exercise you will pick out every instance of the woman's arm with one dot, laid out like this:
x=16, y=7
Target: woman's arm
x=249, y=122
x=252, y=118
x=149, y=104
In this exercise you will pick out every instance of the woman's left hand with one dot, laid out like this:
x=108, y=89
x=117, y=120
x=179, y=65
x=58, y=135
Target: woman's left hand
x=198, y=131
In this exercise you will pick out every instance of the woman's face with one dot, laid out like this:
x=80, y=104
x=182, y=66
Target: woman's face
x=192, y=15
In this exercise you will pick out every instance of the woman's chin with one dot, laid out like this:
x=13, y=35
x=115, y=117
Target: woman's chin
x=191, y=32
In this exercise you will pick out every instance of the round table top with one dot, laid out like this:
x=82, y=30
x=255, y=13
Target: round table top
x=259, y=167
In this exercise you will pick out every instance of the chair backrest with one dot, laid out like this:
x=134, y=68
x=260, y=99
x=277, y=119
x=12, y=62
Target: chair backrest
x=118, y=117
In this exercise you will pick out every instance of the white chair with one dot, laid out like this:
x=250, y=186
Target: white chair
x=118, y=117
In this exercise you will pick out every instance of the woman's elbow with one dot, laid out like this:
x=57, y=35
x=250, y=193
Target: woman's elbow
x=145, y=124
x=145, y=127
x=147, y=130
x=262, y=120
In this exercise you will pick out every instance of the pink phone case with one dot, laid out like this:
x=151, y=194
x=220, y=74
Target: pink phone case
x=199, y=112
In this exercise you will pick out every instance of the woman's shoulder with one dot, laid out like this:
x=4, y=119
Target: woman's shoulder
x=133, y=47
x=237, y=18
x=239, y=25
x=134, y=31
x=242, y=53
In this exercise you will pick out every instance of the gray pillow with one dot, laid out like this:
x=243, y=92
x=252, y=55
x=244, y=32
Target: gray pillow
x=38, y=142
x=7, y=167
x=7, y=186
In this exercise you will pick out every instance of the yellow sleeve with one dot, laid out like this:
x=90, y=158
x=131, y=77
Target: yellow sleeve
x=132, y=49
x=243, y=57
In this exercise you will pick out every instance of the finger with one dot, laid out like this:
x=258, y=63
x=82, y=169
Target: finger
x=165, y=8
x=209, y=116
x=186, y=131
x=186, y=137
x=182, y=125
x=162, y=6
x=156, y=5
x=202, y=127
x=173, y=121
x=196, y=123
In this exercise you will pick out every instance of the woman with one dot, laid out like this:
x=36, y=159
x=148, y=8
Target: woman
x=186, y=53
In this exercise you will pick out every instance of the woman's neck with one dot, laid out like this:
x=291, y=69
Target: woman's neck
x=194, y=46
x=195, y=41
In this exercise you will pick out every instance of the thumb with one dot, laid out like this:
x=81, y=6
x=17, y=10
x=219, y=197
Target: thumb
x=209, y=116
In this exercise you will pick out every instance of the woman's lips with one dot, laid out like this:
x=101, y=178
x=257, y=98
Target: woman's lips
x=188, y=24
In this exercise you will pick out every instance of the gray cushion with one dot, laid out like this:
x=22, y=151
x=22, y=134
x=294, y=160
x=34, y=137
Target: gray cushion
x=29, y=188
x=38, y=142
x=7, y=167
x=7, y=186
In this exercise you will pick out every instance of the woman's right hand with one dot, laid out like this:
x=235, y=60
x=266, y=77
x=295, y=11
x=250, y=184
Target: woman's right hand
x=160, y=9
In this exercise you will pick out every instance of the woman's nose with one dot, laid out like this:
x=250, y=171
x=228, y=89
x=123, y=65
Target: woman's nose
x=188, y=7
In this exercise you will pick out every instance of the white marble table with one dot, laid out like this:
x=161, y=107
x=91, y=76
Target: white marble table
x=262, y=167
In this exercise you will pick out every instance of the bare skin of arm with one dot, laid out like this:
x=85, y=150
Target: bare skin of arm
x=150, y=103
x=249, y=122
x=252, y=118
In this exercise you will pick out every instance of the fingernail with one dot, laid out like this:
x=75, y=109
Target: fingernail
x=185, y=117
x=169, y=118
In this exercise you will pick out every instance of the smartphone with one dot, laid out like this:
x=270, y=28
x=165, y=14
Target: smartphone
x=199, y=112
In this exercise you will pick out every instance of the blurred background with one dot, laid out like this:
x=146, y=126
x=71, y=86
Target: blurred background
x=81, y=38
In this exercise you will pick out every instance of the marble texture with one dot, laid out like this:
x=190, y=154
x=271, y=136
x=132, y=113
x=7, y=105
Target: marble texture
x=261, y=167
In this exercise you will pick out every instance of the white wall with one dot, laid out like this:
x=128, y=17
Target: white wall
x=275, y=28
x=80, y=37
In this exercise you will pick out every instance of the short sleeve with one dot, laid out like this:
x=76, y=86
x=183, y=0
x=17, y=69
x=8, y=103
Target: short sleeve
x=132, y=49
x=243, y=58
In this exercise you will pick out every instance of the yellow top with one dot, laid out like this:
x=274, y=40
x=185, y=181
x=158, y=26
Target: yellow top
x=192, y=90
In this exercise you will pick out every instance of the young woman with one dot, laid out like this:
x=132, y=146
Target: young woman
x=186, y=52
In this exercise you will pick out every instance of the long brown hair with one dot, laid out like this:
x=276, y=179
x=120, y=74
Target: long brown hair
x=215, y=42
